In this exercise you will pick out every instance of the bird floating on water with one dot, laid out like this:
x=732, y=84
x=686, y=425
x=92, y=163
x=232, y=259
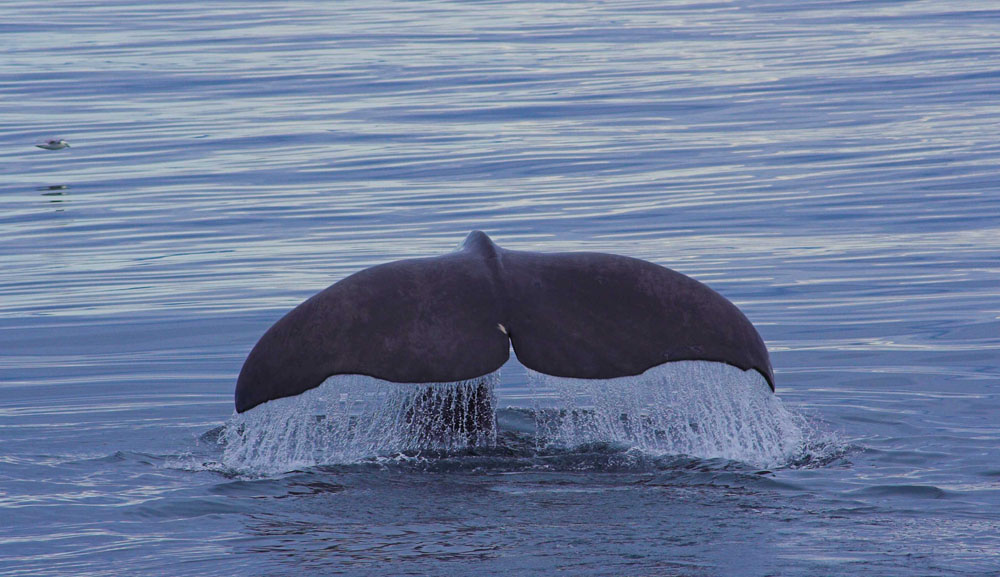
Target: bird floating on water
x=56, y=144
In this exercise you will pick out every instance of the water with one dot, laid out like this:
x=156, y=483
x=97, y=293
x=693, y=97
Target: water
x=695, y=408
x=351, y=418
x=830, y=166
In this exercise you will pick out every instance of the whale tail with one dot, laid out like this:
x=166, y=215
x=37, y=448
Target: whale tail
x=455, y=317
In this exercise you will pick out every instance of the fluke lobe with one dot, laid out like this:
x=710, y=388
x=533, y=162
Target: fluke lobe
x=454, y=317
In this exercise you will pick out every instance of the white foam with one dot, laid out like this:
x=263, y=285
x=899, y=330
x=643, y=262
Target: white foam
x=698, y=408
x=353, y=417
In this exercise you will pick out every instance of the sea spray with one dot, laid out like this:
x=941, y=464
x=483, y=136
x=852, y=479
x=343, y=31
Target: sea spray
x=353, y=417
x=697, y=408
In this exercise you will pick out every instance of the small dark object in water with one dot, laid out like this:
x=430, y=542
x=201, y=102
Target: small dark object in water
x=56, y=144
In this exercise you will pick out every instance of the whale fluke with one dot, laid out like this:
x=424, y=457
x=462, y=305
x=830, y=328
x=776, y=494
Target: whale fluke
x=454, y=318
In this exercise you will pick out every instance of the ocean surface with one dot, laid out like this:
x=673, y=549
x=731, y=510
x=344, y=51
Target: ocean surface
x=832, y=167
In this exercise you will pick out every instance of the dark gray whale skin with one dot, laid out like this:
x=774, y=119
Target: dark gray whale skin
x=454, y=317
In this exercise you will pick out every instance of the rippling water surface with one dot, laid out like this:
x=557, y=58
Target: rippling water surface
x=832, y=167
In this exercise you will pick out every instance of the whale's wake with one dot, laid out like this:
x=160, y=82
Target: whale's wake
x=696, y=408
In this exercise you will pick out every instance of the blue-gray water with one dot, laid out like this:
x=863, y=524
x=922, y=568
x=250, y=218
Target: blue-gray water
x=830, y=166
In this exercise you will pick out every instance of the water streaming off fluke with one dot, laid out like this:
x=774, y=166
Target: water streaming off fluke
x=695, y=408
x=351, y=417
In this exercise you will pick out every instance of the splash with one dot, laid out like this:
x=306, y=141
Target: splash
x=353, y=417
x=697, y=408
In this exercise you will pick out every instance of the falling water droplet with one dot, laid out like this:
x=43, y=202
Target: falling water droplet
x=696, y=408
x=352, y=417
